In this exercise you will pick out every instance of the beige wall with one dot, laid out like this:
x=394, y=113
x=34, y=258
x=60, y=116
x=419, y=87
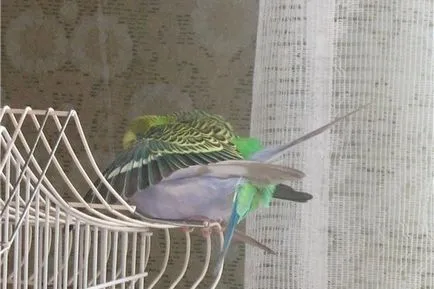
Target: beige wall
x=113, y=60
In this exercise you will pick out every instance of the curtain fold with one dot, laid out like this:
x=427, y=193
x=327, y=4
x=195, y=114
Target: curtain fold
x=371, y=222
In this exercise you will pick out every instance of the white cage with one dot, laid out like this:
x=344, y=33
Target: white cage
x=49, y=241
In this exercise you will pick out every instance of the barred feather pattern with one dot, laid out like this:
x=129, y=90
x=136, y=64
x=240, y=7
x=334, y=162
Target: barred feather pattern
x=156, y=146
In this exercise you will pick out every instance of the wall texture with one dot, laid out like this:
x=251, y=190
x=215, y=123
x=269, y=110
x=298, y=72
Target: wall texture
x=113, y=60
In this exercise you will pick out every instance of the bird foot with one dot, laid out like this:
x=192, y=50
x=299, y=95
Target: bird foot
x=206, y=232
x=187, y=229
x=219, y=229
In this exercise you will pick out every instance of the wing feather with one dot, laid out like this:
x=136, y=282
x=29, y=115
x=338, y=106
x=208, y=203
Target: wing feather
x=191, y=138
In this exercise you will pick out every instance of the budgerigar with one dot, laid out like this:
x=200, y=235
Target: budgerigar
x=191, y=166
x=156, y=146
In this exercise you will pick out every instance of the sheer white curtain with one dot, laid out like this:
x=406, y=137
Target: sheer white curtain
x=371, y=222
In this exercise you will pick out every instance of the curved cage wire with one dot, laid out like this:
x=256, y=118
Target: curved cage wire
x=50, y=237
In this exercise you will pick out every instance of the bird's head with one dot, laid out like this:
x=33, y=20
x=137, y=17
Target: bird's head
x=140, y=126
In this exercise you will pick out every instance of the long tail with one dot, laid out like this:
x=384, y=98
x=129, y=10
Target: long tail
x=269, y=154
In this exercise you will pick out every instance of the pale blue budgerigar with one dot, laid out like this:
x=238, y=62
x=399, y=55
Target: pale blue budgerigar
x=192, y=167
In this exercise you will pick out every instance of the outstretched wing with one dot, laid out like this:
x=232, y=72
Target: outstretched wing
x=190, y=139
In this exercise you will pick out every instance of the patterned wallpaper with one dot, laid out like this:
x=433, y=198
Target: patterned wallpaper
x=113, y=60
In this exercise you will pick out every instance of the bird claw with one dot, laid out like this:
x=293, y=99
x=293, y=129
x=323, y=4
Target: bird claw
x=207, y=229
x=206, y=232
x=219, y=229
x=187, y=229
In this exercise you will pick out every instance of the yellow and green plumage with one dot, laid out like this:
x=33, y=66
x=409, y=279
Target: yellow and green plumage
x=156, y=145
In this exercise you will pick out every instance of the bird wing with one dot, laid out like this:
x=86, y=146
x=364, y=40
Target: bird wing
x=194, y=139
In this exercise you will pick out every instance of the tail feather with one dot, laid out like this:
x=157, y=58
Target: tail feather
x=271, y=153
x=241, y=237
x=229, y=232
x=227, y=241
x=284, y=192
